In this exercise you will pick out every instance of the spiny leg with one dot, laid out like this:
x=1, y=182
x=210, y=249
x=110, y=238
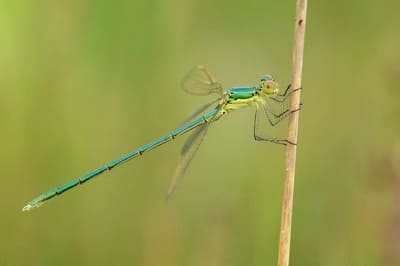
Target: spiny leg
x=283, y=115
x=270, y=139
x=286, y=91
x=279, y=117
x=283, y=97
x=268, y=108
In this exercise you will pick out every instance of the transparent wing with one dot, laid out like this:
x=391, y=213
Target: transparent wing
x=200, y=110
x=188, y=152
x=192, y=138
x=200, y=82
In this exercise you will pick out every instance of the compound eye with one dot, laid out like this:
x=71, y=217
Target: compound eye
x=266, y=78
x=267, y=84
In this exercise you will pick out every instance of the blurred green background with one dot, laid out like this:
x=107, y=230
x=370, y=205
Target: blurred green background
x=83, y=82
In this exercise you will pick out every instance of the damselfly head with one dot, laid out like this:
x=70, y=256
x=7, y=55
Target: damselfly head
x=268, y=85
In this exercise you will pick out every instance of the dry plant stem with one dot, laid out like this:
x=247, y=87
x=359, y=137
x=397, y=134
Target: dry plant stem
x=287, y=203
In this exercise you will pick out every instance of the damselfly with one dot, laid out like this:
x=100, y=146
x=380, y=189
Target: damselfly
x=200, y=82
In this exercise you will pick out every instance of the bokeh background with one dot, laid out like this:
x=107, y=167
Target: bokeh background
x=82, y=82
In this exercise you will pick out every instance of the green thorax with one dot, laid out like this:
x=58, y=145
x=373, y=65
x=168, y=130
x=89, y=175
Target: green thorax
x=241, y=93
